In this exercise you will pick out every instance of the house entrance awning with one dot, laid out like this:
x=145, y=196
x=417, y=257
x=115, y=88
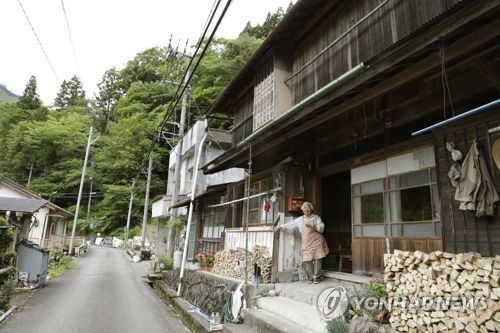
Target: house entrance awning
x=21, y=204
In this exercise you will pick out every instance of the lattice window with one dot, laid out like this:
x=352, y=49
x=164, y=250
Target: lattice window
x=263, y=105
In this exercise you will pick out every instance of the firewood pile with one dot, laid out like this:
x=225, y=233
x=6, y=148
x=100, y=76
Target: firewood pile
x=231, y=263
x=443, y=292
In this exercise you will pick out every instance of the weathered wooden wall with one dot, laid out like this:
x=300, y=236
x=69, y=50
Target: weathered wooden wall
x=392, y=22
x=368, y=253
x=243, y=119
x=462, y=230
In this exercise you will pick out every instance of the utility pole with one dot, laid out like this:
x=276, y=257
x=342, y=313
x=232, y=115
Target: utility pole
x=82, y=180
x=146, y=199
x=29, y=177
x=177, y=170
x=129, y=212
x=90, y=199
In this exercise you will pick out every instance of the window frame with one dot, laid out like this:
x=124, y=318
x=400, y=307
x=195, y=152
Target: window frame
x=393, y=227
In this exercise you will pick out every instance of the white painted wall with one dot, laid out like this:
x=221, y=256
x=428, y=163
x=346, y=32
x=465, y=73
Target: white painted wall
x=36, y=233
x=160, y=206
x=290, y=248
x=190, y=147
x=8, y=192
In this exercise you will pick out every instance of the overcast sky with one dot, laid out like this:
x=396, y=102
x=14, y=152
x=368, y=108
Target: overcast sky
x=105, y=33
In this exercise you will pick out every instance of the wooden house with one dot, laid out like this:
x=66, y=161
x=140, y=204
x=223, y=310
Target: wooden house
x=38, y=220
x=325, y=109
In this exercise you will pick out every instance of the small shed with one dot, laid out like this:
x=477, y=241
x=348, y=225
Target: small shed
x=33, y=263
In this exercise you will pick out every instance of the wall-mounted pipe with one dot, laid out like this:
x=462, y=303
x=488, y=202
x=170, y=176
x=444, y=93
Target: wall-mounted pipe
x=460, y=116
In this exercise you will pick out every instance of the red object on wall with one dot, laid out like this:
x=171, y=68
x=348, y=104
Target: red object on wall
x=267, y=206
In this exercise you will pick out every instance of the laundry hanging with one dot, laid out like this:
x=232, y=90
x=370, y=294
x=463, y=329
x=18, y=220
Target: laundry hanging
x=476, y=190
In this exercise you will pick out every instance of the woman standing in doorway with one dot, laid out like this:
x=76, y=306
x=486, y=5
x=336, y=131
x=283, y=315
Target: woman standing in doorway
x=314, y=247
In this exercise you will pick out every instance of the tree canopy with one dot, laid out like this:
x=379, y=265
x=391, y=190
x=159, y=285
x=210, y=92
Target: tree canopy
x=129, y=105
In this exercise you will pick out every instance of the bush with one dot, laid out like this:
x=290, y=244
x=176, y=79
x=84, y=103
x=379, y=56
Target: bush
x=59, y=267
x=167, y=262
x=57, y=253
x=7, y=257
x=337, y=325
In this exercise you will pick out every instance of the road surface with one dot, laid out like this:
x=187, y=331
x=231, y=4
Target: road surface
x=104, y=292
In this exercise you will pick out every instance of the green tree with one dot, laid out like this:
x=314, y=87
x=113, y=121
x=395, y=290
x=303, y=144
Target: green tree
x=261, y=31
x=56, y=145
x=223, y=60
x=108, y=95
x=70, y=94
x=30, y=100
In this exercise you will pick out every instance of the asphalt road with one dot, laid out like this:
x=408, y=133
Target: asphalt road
x=104, y=292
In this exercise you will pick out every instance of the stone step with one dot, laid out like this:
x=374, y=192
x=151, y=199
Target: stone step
x=303, y=292
x=262, y=321
x=299, y=314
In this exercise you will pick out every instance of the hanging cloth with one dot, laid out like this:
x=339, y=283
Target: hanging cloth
x=476, y=190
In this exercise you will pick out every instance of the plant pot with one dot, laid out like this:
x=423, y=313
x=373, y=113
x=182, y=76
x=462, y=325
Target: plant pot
x=206, y=268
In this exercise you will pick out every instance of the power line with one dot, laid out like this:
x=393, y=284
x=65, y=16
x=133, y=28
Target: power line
x=39, y=42
x=70, y=37
x=180, y=92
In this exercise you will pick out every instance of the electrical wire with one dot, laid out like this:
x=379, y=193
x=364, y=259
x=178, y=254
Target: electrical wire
x=70, y=36
x=39, y=42
x=179, y=92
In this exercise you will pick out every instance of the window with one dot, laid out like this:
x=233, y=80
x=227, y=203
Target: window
x=213, y=221
x=405, y=205
x=257, y=214
x=53, y=227
x=372, y=208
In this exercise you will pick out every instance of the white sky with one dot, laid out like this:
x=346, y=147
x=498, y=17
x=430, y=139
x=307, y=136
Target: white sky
x=105, y=33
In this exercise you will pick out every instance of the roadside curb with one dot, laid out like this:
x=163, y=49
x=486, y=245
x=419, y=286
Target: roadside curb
x=184, y=310
x=8, y=313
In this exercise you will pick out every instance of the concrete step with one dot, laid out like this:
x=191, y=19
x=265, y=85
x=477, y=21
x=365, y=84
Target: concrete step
x=262, y=321
x=302, y=315
x=303, y=292
x=238, y=328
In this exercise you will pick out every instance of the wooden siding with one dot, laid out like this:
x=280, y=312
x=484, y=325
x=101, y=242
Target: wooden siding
x=395, y=20
x=368, y=253
x=462, y=230
x=243, y=120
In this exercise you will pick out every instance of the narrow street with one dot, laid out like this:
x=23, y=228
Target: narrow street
x=104, y=292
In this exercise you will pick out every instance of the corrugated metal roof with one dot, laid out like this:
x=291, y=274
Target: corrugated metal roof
x=218, y=135
x=21, y=205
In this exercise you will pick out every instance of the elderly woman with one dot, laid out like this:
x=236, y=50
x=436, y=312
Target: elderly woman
x=314, y=247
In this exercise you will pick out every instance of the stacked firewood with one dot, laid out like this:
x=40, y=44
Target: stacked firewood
x=231, y=263
x=443, y=292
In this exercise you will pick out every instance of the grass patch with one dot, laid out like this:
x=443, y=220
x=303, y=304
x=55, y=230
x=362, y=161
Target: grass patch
x=59, y=267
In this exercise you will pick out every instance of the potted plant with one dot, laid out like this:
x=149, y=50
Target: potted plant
x=206, y=261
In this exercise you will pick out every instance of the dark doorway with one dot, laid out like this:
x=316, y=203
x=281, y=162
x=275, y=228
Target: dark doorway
x=336, y=214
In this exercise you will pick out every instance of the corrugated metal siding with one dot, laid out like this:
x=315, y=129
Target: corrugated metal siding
x=235, y=238
x=391, y=23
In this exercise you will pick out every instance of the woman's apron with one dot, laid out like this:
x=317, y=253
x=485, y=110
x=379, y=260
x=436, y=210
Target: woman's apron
x=313, y=243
